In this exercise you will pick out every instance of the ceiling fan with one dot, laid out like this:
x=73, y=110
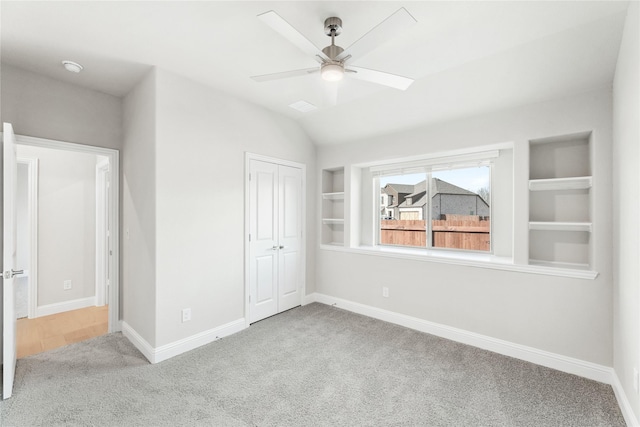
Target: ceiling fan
x=334, y=59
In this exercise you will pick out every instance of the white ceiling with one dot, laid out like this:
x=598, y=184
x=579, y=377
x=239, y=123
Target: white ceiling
x=466, y=57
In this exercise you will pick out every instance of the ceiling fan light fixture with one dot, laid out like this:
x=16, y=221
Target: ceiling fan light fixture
x=332, y=72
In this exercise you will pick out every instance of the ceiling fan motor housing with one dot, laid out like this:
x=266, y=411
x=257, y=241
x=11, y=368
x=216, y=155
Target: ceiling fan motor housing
x=333, y=24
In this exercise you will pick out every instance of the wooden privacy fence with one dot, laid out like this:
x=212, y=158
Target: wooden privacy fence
x=469, y=232
x=411, y=232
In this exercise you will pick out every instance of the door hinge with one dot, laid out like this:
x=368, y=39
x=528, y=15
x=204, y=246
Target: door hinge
x=249, y=177
x=108, y=282
x=249, y=236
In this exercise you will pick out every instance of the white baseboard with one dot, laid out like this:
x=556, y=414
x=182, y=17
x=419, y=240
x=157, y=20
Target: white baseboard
x=540, y=357
x=140, y=343
x=61, y=307
x=308, y=299
x=623, y=401
x=167, y=351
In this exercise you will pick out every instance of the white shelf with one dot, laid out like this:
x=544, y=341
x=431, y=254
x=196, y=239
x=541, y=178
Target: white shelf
x=333, y=196
x=573, y=183
x=556, y=264
x=332, y=220
x=560, y=226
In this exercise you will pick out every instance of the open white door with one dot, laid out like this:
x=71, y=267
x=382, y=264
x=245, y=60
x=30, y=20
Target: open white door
x=10, y=177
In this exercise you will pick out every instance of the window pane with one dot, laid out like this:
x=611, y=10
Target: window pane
x=403, y=211
x=460, y=211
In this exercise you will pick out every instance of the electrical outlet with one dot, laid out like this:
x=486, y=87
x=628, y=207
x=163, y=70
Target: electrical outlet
x=67, y=285
x=635, y=379
x=385, y=292
x=186, y=315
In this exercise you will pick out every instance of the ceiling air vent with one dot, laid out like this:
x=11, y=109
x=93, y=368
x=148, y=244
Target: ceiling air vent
x=303, y=106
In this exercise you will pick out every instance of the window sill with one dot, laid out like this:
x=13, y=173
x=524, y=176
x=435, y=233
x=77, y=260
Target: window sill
x=470, y=259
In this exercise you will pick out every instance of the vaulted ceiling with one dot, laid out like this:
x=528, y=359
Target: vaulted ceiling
x=466, y=57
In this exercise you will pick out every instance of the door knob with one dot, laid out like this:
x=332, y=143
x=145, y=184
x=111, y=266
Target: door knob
x=10, y=273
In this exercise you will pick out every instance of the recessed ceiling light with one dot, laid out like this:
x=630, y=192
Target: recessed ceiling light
x=74, y=67
x=303, y=106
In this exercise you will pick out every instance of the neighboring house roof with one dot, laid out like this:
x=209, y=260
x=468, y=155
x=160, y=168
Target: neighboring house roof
x=443, y=187
x=418, y=191
x=418, y=203
x=420, y=187
x=399, y=188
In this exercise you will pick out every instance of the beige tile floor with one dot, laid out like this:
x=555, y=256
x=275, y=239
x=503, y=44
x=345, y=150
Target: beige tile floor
x=57, y=330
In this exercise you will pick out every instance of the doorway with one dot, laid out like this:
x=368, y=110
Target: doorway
x=72, y=267
x=275, y=250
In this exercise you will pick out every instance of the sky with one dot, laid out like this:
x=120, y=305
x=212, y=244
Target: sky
x=471, y=179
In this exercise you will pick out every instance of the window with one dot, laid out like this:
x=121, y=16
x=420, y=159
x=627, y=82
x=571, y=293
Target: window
x=438, y=207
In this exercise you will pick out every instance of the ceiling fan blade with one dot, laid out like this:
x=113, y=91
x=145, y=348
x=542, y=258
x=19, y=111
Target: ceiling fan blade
x=285, y=74
x=286, y=30
x=394, y=24
x=391, y=80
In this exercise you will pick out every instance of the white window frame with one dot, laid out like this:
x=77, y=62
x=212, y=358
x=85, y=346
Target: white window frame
x=428, y=166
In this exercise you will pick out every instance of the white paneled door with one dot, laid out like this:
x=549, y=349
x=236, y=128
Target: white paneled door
x=10, y=177
x=275, y=233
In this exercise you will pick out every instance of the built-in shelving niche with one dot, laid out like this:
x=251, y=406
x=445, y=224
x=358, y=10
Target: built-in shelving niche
x=332, y=227
x=560, y=199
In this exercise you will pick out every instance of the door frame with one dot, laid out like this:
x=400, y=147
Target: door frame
x=303, y=243
x=102, y=231
x=32, y=230
x=114, y=210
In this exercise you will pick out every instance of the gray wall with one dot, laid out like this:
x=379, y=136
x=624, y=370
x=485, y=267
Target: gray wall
x=138, y=227
x=626, y=208
x=201, y=141
x=567, y=316
x=66, y=223
x=47, y=108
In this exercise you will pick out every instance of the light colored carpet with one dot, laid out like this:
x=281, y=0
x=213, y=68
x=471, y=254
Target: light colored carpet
x=311, y=366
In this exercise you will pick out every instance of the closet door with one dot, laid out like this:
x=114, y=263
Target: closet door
x=263, y=250
x=289, y=237
x=275, y=227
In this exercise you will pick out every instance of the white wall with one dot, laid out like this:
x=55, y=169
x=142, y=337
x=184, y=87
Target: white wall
x=138, y=298
x=47, y=108
x=626, y=208
x=567, y=316
x=202, y=137
x=66, y=223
